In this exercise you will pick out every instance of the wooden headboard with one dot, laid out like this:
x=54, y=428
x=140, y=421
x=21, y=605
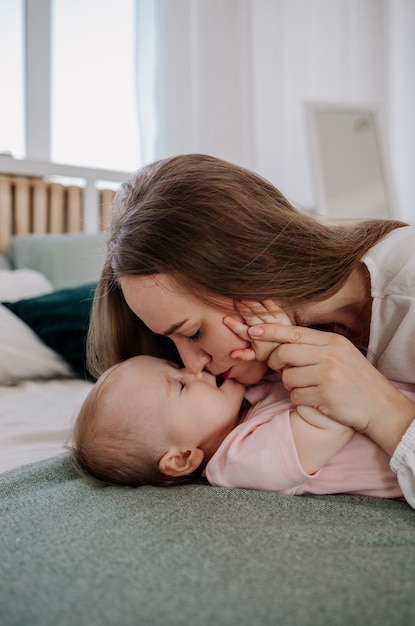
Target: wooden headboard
x=33, y=203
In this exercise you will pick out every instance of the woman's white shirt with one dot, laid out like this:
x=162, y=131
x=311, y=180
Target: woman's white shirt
x=391, y=264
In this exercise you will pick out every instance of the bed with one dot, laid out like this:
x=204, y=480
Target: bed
x=43, y=321
x=75, y=553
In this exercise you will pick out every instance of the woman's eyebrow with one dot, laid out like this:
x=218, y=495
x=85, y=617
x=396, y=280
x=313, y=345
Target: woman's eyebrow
x=174, y=328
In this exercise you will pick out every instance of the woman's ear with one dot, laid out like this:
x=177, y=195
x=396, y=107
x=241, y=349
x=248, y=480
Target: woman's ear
x=180, y=462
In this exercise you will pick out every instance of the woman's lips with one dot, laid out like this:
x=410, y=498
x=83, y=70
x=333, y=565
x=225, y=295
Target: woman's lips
x=220, y=378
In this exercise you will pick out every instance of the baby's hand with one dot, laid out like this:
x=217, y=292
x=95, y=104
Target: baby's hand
x=253, y=312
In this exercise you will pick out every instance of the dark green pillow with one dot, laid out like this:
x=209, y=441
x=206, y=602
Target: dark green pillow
x=61, y=320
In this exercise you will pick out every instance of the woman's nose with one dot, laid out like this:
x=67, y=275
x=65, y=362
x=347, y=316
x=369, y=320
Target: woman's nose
x=194, y=358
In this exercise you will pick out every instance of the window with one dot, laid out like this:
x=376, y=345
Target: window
x=11, y=76
x=94, y=113
x=93, y=119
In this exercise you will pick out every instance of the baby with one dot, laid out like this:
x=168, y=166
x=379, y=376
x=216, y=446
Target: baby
x=149, y=422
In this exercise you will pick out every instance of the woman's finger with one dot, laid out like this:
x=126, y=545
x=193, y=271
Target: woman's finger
x=281, y=333
x=327, y=355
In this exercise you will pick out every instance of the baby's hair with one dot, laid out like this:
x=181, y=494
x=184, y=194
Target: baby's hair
x=109, y=452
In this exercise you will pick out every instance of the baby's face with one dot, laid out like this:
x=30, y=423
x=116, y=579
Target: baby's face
x=188, y=410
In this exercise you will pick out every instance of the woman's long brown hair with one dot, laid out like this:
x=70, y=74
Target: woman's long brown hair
x=219, y=230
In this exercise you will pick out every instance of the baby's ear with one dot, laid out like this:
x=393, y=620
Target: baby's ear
x=177, y=462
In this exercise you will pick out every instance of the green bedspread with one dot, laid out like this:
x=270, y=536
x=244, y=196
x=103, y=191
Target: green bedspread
x=76, y=554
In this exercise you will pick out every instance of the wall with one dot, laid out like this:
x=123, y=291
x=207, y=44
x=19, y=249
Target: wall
x=232, y=78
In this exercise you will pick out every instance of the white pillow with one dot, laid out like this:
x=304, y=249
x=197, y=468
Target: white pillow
x=19, y=284
x=23, y=355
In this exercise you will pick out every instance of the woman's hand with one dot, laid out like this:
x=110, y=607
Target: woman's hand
x=326, y=371
x=320, y=369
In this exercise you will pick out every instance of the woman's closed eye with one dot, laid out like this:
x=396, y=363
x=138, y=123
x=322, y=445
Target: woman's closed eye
x=195, y=336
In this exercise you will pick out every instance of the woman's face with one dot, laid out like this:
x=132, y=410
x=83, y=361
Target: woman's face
x=197, y=329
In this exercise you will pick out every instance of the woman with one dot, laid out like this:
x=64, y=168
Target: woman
x=192, y=235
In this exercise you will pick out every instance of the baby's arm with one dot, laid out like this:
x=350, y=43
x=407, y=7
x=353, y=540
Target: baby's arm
x=317, y=437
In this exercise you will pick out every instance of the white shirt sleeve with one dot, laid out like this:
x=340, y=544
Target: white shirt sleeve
x=403, y=464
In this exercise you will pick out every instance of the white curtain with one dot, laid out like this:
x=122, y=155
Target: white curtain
x=231, y=78
x=202, y=94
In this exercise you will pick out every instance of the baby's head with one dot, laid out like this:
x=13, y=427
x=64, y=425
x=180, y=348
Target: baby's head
x=148, y=422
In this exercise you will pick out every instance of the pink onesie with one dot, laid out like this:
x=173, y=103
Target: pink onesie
x=260, y=454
